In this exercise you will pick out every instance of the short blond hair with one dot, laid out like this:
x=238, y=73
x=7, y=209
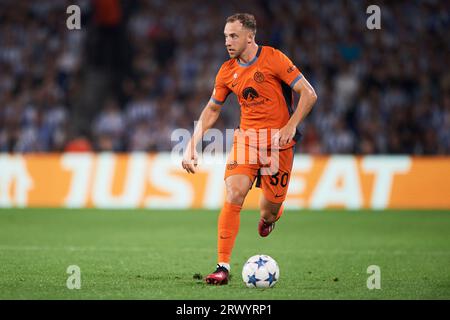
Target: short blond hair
x=248, y=20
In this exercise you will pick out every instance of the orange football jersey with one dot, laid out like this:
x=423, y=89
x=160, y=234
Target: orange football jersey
x=263, y=87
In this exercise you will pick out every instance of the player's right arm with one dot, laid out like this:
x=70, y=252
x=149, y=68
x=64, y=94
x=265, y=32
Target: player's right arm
x=208, y=117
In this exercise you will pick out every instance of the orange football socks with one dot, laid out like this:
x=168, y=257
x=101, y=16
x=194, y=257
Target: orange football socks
x=228, y=228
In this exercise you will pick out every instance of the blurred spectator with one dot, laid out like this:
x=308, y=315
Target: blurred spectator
x=109, y=127
x=78, y=144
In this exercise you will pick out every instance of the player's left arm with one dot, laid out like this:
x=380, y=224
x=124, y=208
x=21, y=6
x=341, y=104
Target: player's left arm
x=307, y=99
x=287, y=72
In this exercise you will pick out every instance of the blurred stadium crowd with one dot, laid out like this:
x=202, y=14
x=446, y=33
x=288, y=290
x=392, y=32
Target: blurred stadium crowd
x=137, y=70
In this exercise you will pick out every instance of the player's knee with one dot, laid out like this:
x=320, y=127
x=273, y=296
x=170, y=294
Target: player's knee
x=235, y=195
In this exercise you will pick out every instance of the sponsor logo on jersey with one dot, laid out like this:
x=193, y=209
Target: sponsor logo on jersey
x=250, y=94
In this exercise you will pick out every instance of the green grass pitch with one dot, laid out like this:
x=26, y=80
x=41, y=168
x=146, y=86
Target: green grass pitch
x=155, y=254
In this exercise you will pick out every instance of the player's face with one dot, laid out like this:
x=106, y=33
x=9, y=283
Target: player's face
x=236, y=38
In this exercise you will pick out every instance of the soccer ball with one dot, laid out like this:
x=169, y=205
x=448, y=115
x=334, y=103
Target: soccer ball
x=260, y=271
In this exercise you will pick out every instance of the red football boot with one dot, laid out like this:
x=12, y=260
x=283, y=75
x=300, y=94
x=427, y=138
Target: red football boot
x=218, y=277
x=264, y=228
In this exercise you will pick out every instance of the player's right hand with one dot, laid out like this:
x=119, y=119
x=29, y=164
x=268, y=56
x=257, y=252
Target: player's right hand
x=189, y=161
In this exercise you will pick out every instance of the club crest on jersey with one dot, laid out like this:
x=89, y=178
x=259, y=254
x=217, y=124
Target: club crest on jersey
x=258, y=77
x=250, y=94
x=232, y=165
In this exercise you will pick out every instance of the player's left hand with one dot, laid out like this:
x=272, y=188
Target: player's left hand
x=284, y=136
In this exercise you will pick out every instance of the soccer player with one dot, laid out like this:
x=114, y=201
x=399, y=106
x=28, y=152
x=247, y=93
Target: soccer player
x=263, y=79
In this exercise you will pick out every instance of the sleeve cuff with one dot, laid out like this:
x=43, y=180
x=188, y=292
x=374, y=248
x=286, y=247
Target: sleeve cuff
x=295, y=80
x=217, y=101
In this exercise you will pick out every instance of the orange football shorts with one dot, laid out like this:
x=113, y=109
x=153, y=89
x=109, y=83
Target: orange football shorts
x=270, y=168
